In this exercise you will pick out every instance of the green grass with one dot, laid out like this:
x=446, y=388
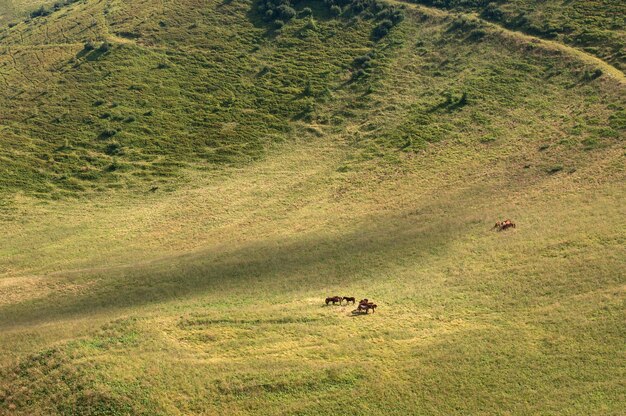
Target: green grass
x=595, y=26
x=205, y=296
x=11, y=11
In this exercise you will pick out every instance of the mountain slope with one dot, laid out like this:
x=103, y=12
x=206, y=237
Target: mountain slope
x=595, y=26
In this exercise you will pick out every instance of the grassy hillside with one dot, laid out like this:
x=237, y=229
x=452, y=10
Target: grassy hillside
x=291, y=164
x=205, y=84
x=598, y=27
x=12, y=11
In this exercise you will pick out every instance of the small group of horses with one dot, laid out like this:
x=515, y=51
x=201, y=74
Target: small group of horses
x=504, y=225
x=364, y=304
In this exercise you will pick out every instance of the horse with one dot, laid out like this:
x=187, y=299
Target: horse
x=334, y=300
x=507, y=224
x=503, y=225
x=349, y=299
x=366, y=307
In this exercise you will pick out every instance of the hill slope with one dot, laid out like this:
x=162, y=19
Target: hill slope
x=180, y=264
x=598, y=27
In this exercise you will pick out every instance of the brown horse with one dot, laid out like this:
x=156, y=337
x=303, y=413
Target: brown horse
x=503, y=225
x=334, y=300
x=365, y=307
x=349, y=299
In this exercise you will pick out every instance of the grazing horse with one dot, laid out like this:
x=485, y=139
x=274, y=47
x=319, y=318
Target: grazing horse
x=349, y=299
x=506, y=225
x=503, y=225
x=334, y=300
x=366, y=307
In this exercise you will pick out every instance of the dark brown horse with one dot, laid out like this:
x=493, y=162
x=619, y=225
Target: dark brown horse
x=365, y=307
x=349, y=299
x=334, y=300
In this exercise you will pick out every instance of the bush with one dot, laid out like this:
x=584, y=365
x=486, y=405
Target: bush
x=306, y=12
x=104, y=47
x=108, y=133
x=555, y=169
x=358, y=74
x=382, y=29
x=113, y=148
x=279, y=23
x=335, y=10
x=391, y=13
x=492, y=12
x=89, y=46
x=286, y=12
x=590, y=76
x=363, y=61
x=42, y=11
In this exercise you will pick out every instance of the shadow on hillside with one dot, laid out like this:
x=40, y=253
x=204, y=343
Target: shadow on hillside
x=272, y=269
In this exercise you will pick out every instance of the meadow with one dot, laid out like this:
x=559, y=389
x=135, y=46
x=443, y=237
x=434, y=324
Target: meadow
x=295, y=164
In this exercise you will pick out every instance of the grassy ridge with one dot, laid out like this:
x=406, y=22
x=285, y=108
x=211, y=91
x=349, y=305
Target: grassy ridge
x=386, y=188
x=595, y=26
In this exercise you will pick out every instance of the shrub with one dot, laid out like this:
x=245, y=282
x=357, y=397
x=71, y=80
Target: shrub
x=492, y=12
x=308, y=90
x=555, y=169
x=463, y=100
x=382, y=29
x=113, y=148
x=335, y=10
x=476, y=35
x=363, y=61
x=358, y=74
x=391, y=13
x=113, y=166
x=590, y=76
x=306, y=12
x=286, y=12
x=108, y=133
x=41, y=11
x=463, y=24
x=104, y=47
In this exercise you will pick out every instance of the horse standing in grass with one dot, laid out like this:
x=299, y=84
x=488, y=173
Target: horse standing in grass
x=365, y=307
x=334, y=300
x=349, y=299
x=503, y=225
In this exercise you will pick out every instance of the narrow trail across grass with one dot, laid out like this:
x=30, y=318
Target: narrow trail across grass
x=537, y=42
